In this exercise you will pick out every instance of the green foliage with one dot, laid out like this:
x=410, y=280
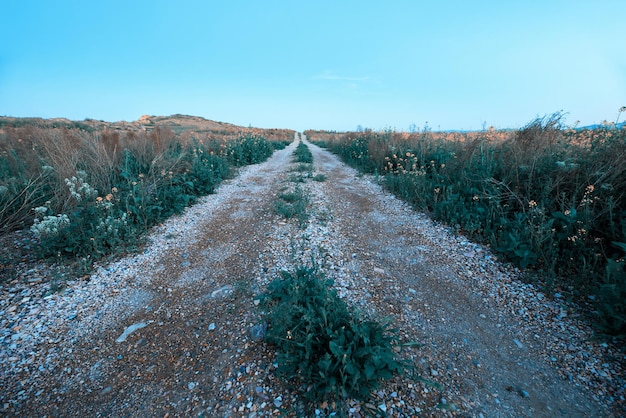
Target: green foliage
x=278, y=145
x=324, y=346
x=543, y=197
x=319, y=177
x=303, y=154
x=249, y=149
x=293, y=205
x=88, y=193
x=612, y=297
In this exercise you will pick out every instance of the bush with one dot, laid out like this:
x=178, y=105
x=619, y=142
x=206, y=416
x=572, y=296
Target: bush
x=90, y=194
x=303, y=154
x=293, y=205
x=249, y=149
x=322, y=345
x=544, y=197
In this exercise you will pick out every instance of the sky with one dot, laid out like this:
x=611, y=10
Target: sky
x=331, y=65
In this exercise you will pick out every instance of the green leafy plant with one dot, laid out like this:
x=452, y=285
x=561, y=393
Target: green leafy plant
x=544, y=197
x=322, y=345
x=249, y=149
x=293, y=205
x=303, y=154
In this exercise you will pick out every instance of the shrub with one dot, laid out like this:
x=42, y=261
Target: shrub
x=303, y=154
x=293, y=205
x=92, y=193
x=544, y=197
x=322, y=345
x=249, y=149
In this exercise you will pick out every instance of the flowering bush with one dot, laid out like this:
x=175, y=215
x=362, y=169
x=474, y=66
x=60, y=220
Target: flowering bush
x=544, y=197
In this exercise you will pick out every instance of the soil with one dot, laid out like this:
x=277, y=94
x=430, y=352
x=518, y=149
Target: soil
x=491, y=345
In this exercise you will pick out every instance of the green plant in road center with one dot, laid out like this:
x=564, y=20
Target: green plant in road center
x=324, y=346
x=319, y=177
x=293, y=205
x=302, y=154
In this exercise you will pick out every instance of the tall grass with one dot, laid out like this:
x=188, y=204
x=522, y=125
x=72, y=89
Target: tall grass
x=90, y=193
x=545, y=197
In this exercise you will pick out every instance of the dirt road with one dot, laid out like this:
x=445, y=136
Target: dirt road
x=171, y=331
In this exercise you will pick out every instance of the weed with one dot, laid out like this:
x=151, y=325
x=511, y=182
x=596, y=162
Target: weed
x=293, y=205
x=544, y=197
x=324, y=347
x=87, y=194
x=303, y=154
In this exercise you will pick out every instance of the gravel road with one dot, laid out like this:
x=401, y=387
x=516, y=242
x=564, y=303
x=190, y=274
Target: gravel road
x=173, y=330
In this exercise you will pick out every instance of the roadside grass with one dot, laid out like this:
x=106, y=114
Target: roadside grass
x=549, y=199
x=87, y=194
x=325, y=348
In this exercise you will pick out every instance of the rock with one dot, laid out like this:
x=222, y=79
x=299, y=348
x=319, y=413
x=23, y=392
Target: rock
x=222, y=291
x=191, y=385
x=518, y=343
x=211, y=326
x=257, y=332
x=523, y=393
x=378, y=270
x=129, y=331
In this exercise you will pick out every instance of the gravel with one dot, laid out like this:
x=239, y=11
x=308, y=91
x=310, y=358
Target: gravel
x=492, y=345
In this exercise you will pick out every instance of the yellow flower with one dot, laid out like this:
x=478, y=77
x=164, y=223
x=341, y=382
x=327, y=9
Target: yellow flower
x=98, y=199
x=114, y=190
x=109, y=197
x=532, y=204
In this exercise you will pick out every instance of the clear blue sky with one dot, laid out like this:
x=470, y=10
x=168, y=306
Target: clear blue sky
x=315, y=64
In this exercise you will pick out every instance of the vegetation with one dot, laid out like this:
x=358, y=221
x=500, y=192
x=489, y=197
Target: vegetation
x=322, y=345
x=302, y=154
x=88, y=194
x=293, y=205
x=545, y=197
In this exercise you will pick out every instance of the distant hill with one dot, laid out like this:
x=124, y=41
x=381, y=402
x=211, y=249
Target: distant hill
x=177, y=123
x=601, y=126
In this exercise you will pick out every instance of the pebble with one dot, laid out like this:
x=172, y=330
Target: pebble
x=257, y=332
x=129, y=330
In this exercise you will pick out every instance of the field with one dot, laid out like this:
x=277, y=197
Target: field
x=549, y=199
x=184, y=267
x=89, y=189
